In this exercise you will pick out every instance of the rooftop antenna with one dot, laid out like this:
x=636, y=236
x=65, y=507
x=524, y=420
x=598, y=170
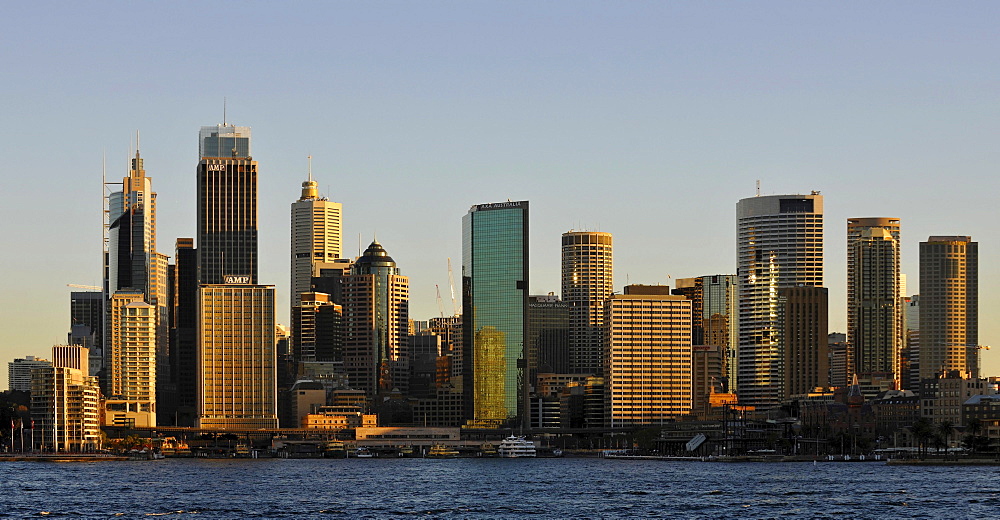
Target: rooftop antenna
x=223, y=110
x=310, y=167
x=758, y=187
x=136, y=140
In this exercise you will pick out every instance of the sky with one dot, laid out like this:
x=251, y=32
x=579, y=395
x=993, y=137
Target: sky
x=648, y=120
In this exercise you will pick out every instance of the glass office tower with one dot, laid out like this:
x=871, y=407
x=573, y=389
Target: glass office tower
x=495, y=312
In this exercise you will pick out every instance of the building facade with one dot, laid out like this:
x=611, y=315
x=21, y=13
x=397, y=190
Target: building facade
x=949, y=306
x=236, y=359
x=132, y=372
x=494, y=313
x=779, y=244
x=648, y=358
x=587, y=282
x=803, y=313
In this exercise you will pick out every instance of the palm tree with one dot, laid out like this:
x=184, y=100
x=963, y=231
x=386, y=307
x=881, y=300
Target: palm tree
x=922, y=431
x=944, y=429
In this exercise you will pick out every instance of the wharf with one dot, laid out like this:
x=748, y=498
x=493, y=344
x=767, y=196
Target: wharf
x=60, y=457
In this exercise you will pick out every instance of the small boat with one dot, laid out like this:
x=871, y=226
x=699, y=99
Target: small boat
x=557, y=452
x=440, y=451
x=363, y=453
x=516, y=447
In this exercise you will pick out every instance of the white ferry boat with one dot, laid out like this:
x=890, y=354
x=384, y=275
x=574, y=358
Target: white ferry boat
x=514, y=447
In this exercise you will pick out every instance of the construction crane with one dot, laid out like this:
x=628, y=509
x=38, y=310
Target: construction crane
x=451, y=281
x=78, y=286
x=440, y=304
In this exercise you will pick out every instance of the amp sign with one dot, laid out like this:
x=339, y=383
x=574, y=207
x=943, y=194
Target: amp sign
x=236, y=279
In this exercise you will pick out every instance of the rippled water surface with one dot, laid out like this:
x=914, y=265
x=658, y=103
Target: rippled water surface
x=492, y=488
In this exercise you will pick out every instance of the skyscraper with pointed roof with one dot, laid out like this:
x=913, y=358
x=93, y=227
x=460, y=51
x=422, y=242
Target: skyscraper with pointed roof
x=376, y=323
x=317, y=239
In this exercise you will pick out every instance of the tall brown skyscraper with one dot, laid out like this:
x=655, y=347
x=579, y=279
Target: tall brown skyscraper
x=587, y=283
x=874, y=303
x=376, y=315
x=949, y=306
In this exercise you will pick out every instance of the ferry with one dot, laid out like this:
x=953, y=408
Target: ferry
x=440, y=451
x=516, y=447
x=334, y=450
x=488, y=450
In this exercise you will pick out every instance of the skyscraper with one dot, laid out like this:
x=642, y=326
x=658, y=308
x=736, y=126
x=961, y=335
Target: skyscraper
x=132, y=375
x=874, y=313
x=376, y=316
x=779, y=244
x=236, y=358
x=803, y=314
x=494, y=313
x=587, y=282
x=949, y=306
x=227, y=204
x=316, y=236
x=647, y=372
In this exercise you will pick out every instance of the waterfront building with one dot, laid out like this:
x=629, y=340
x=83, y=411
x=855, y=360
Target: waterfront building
x=942, y=396
x=648, y=358
x=587, y=282
x=779, y=245
x=227, y=204
x=114, y=353
x=874, y=312
x=548, y=335
x=376, y=314
x=236, y=356
x=802, y=312
x=949, y=306
x=131, y=400
x=19, y=372
x=495, y=313
x=316, y=236
x=65, y=407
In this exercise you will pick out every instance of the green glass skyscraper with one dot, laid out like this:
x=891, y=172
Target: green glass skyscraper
x=495, y=313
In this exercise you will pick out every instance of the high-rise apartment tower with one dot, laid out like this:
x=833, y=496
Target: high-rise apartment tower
x=874, y=312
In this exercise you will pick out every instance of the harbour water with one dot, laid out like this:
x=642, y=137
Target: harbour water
x=493, y=488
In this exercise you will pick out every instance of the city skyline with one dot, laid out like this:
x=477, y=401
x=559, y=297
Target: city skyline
x=648, y=122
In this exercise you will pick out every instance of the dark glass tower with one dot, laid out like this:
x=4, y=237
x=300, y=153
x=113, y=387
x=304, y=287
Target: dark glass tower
x=495, y=313
x=227, y=205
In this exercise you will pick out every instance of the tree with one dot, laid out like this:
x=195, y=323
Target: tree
x=922, y=430
x=944, y=429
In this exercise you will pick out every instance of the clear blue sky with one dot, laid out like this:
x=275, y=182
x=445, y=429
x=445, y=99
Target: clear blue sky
x=648, y=120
